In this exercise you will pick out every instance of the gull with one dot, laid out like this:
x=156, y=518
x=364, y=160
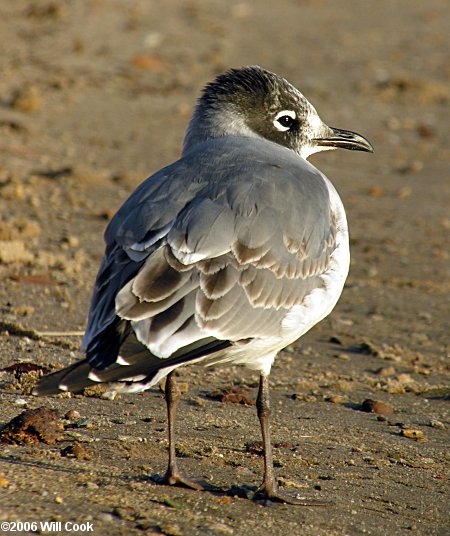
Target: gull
x=226, y=256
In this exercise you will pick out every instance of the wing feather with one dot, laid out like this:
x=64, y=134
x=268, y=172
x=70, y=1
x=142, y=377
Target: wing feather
x=196, y=255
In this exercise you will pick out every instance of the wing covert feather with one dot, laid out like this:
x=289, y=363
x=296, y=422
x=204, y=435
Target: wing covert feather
x=224, y=254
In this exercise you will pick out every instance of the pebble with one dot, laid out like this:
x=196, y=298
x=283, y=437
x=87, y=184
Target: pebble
x=124, y=512
x=83, y=422
x=152, y=39
x=196, y=401
x=386, y=371
x=123, y=421
x=148, y=62
x=336, y=399
x=343, y=357
x=14, y=251
x=404, y=378
x=425, y=130
x=404, y=191
x=72, y=415
x=171, y=529
x=71, y=241
x=376, y=406
x=376, y=191
x=106, y=517
x=411, y=167
x=437, y=424
x=233, y=395
x=220, y=528
x=411, y=433
x=27, y=100
x=77, y=451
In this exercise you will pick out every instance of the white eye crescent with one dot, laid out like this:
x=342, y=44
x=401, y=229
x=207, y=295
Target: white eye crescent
x=284, y=120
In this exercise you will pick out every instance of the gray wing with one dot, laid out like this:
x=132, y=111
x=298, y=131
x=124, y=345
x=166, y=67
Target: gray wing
x=218, y=246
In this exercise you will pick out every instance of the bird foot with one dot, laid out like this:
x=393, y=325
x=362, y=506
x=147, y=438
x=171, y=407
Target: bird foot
x=272, y=493
x=174, y=478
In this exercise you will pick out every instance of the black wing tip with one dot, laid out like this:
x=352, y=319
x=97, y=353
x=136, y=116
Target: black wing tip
x=73, y=378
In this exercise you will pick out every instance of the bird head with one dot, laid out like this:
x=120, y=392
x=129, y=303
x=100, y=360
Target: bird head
x=254, y=102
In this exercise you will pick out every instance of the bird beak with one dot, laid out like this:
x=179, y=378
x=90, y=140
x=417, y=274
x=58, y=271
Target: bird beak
x=344, y=139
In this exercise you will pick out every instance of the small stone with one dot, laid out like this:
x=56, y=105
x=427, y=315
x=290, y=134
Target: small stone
x=12, y=251
x=343, y=357
x=77, y=451
x=171, y=529
x=220, y=528
x=71, y=241
x=404, y=191
x=4, y=482
x=125, y=512
x=287, y=483
x=404, y=378
x=152, y=39
x=183, y=387
x=23, y=310
x=233, y=395
x=106, y=517
x=196, y=401
x=72, y=415
x=425, y=131
x=411, y=167
x=437, y=424
x=376, y=406
x=336, y=399
x=83, y=422
x=254, y=447
x=376, y=191
x=27, y=100
x=148, y=62
x=59, y=499
x=411, y=433
x=386, y=371
x=106, y=214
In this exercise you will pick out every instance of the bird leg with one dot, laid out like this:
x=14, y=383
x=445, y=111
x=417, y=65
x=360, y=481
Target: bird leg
x=173, y=476
x=269, y=487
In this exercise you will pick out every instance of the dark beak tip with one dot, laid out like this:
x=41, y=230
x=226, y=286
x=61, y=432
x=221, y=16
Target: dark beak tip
x=346, y=139
x=368, y=149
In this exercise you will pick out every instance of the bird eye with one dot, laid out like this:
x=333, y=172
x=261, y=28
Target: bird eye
x=284, y=120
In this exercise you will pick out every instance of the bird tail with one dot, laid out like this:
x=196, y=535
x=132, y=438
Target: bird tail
x=135, y=366
x=135, y=369
x=75, y=377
